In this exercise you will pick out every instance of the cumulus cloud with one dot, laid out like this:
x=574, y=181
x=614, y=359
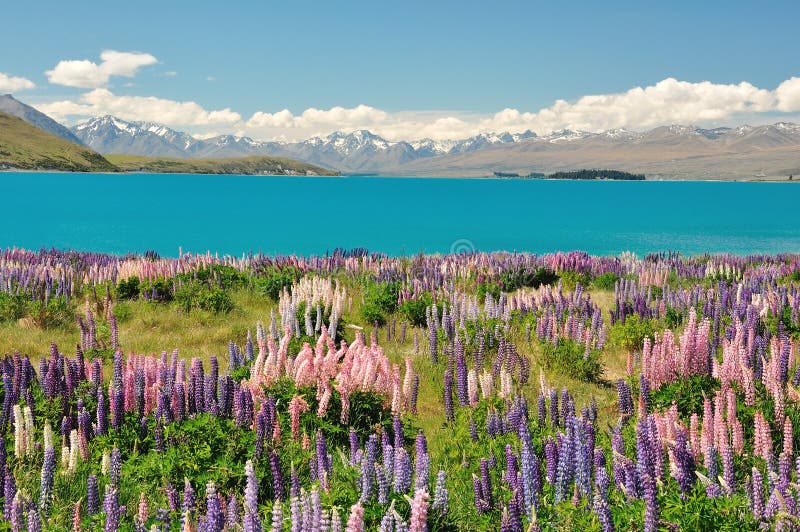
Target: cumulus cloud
x=89, y=75
x=9, y=83
x=139, y=108
x=669, y=101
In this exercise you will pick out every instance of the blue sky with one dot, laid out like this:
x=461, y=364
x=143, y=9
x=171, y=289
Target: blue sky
x=416, y=62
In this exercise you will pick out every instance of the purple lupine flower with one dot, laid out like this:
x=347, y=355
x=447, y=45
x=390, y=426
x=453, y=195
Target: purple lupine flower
x=251, y=522
x=625, y=399
x=414, y=394
x=115, y=470
x=48, y=473
x=644, y=392
x=17, y=514
x=9, y=491
x=277, y=516
x=172, y=497
x=554, y=421
x=480, y=500
x=461, y=375
x=102, y=413
x=232, y=513
x=651, y=504
x=215, y=520
x=353, y=445
x=758, y=494
x=278, y=488
x=323, y=461
x=383, y=484
x=34, y=521
x=118, y=412
x=551, y=459
x=402, y=471
x=603, y=512
x=529, y=469
x=397, y=430
x=685, y=462
x=486, y=483
x=294, y=483
x=729, y=473
x=441, y=496
x=92, y=495
x=473, y=430
x=112, y=509
x=189, y=501
x=541, y=410
x=448, y=395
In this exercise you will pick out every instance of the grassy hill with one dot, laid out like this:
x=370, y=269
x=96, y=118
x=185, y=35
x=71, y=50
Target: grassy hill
x=27, y=147
x=257, y=165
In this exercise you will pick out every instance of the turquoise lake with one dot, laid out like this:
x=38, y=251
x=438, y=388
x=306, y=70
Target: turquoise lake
x=118, y=213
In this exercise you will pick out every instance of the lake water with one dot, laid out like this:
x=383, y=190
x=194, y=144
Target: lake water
x=280, y=215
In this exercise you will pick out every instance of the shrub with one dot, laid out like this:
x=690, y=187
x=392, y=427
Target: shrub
x=571, y=279
x=128, y=288
x=55, y=314
x=13, y=307
x=272, y=282
x=414, y=310
x=380, y=300
x=631, y=334
x=198, y=295
x=605, y=281
x=524, y=277
x=571, y=358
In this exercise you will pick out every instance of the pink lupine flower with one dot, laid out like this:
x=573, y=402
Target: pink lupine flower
x=355, y=523
x=297, y=406
x=419, y=512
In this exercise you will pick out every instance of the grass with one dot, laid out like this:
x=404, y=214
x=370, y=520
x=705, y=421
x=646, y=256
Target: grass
x=256, y=165
x=27, y=147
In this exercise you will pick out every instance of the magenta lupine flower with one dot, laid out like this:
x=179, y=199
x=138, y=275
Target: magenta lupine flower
x=251, y=522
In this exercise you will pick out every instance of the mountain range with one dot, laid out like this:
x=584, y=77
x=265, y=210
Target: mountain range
x=767, y=151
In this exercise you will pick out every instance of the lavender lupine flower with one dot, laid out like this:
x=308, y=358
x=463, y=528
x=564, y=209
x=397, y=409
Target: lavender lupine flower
x=9, y=491
x=48, y=473
x=473, y=430
x=278, y=488
x=172, y=497
x=402, y=471
x=251, y=522
x=112, y=509
x=323, y=461
x=232, y=513
x=294, y=483
x=277, y=516
x=486, y=483
x=214, y=520
x=758, y=494
x=414, y=394
x=728, y=471
x=189, y=502
x=551, y=459
x=554, y=421
x=529, y=468
x=685, y=462
x=625, y=399
x=115, y=470
x=461, y=376
x=17, y=514
x=102, y=413
x=353, y=445
x=441, y=496
x=644, y=392
x=603, y=512
x=34, y=521
x=448, y=395
x=480, y=499
x=92, y=495
x=651, y=504
x=541, y=410
x=383, y=484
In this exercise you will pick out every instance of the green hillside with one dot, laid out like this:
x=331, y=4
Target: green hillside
x=23, y=146
x=257, y=165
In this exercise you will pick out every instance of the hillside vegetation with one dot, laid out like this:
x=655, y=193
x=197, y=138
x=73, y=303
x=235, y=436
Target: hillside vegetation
x=236, y=165
x=24, y=146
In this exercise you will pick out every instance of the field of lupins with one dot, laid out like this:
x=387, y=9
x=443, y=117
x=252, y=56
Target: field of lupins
x=405, y=394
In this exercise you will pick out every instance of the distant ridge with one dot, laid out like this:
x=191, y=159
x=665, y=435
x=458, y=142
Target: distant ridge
x=674, y=151
x=12, y=106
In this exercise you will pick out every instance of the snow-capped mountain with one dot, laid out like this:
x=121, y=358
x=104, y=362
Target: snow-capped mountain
x=362, y=151
x=108, y=134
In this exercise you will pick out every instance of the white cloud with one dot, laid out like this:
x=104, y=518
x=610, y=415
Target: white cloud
x=147, y=108
x=9, y=83
x=88, y=74
x=788, y=95
x=669, y=101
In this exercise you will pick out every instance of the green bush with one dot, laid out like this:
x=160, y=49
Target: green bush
x=380, y=301
x=572, y=279
x=605, y=281
x=128, y=288
x=631, y=334
x=271, y=282
x=511, y=280
x=571, y=358
x=195, y=294
x=57, y=313
x=12, y=308
x=414, y=310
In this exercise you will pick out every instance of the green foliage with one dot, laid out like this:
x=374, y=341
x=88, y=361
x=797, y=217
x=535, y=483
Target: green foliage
x=198, y=295
x=630, y=335
x=159, y=290
x=12, y=307
x=380, y=301
x=571, y=358
x=571, y=279
x=597, y=174
x=129, y=288
x=789, y=326
x=605, y=281
x=122, y=312
x=687, y=394
x=272, y=281
x=56, y=313
x=488, y=288
x=511, y=280
x=414, y=310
